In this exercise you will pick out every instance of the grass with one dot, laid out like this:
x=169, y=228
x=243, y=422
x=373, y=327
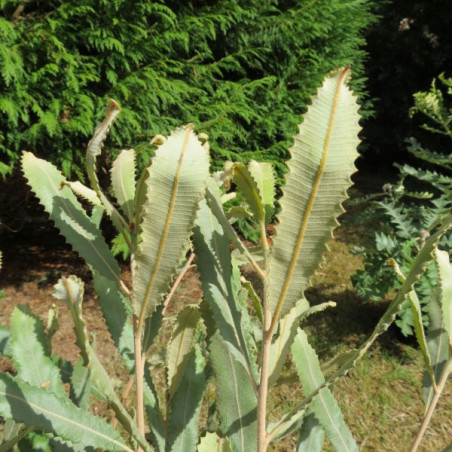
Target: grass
x=381, y=398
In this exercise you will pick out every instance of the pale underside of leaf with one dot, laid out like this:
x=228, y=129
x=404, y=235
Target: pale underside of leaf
x=123, y=181
x=322, y=161
x=176, y=183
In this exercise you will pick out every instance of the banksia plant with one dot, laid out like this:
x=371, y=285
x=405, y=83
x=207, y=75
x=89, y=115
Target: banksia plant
x=237, y=339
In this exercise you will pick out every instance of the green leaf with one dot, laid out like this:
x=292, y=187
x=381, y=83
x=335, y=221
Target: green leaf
x=80, y=385
x=287, y=329
x=117, y=312
x=186, y=405
x=5, y=348
x=263, y=175
x=30, y=349
x=311, y=435
x=438, y=346
x=322, y=161
x=93, y=151
x=70, y=290
x=237, y=401
x=324, y=405
x=221, y=281
x=123, y=182
x=52, y=414
x=84, y=192
x=421, y=261
x=176, y=184
x=69, y=216
x=180, y=346
x=445, y=287
x=249, y=189
x=212, y=442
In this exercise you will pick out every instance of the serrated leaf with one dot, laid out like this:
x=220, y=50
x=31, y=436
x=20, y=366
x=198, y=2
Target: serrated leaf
x=123, y=182
x=70, y=290
x=237, y=401
x=30, y=350
x=445, y=287
x=248, y=188
x=180, y=346
x=221, y=281
x=438, y=346
x=186, y=405
x=421, y=261
x=52, y=414
x=324, y=405
x=263, y=175
x=281, y=344
x=80, y=385
x=322, y=161
x=117, y=312
x=93, y=151
x=84, y=192
x=311, y=435
x=68, y=215
x=176, y=183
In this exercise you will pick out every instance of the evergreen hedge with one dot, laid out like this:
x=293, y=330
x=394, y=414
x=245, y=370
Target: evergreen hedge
x=242, y=71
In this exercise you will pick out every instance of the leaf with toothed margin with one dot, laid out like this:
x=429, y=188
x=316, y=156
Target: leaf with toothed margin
x=180, y=346
x=324, y=405
x=445, y=286
x=176, y=183
x=123, y=182
x=82, y=191
x=186, y=405
x=311, y=435
x=70, y=290
x=263, y=175
x=423, y=258
x=68, y=215
x=322, y=161
x=93, y=151
x=249, y=189
x=31, y=352
x=220, y=279
x=237, y=400
x=53, y=414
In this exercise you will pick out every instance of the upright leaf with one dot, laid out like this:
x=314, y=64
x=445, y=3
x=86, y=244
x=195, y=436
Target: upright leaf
x=311, y=435
x=445, y=287
x=324, y=405
x=237, y=400
x=263, y=175
x=123, y=182
x=322, y=161
x=221, y=281
x=186, y=405
x=249, y=189
x=176, y=183
x=180, y=346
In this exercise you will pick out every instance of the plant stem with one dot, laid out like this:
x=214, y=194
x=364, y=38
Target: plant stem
x=139, y=376
x=428, y=415
x=262, y=438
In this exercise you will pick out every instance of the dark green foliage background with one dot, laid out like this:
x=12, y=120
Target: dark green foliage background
x=242, y=71
x=401, y=62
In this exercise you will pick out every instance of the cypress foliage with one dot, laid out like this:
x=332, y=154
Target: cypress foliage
x=241, y=70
